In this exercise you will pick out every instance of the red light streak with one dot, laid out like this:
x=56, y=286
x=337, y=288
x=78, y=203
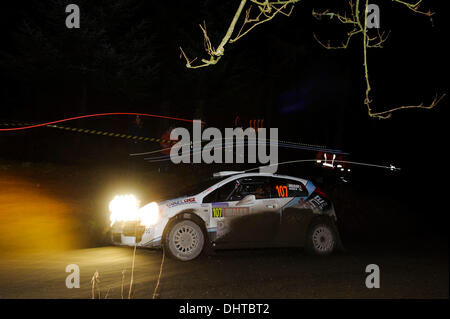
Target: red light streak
x=93, y=115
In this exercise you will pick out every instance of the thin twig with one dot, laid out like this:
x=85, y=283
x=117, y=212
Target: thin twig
x=132, y=265
x=159, y=276
x=107, y=292
x=123, y=279
x=415, y=7
x=94, y=281
x=388, y=113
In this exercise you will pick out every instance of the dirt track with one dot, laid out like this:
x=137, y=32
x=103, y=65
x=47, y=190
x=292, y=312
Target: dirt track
x=43, y=228
x=286, y=273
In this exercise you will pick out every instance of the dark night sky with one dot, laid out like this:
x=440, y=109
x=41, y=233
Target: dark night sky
x=277, y=72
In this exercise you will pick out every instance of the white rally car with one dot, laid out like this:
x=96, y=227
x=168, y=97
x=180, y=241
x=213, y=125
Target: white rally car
x=233, y=210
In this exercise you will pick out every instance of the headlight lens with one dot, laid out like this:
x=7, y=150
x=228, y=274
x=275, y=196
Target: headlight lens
x=125, y=208
x=149, y=214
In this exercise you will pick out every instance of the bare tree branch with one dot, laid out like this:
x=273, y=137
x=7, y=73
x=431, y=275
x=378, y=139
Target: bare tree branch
x=360, y=26
x=215, y=55
x=267, y=10
x=415, y=7
x=388, y=113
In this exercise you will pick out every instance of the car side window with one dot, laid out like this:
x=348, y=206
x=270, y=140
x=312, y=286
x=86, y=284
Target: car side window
x=221, y=194
x=282, y=187
x=258, y=186
x=225, y=191
x=211, y=197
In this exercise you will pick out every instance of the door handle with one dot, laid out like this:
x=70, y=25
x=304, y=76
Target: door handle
x=271, y=206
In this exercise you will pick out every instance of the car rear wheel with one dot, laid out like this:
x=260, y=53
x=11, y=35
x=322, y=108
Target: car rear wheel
x=184, y=240
x=321, y=239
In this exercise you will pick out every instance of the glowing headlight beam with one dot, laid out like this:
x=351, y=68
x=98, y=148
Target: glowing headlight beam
x=125, y=208
x=149, y=214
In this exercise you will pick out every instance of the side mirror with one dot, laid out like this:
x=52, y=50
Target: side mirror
x=249, y=199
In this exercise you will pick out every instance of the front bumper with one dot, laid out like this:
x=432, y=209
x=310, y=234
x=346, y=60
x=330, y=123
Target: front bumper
x=131, y=233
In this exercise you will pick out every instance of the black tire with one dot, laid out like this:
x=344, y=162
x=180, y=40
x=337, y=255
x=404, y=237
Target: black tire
x=321, y=239
x=184, y=240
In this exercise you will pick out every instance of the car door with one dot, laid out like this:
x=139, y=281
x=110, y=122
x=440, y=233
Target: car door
x=244, y=213
x=290, y=194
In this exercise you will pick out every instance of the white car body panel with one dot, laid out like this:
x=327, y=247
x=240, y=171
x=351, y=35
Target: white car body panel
x=151, y=237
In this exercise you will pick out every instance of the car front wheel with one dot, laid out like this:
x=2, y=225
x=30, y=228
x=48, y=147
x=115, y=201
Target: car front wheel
x=184, y=240
x=321, y=239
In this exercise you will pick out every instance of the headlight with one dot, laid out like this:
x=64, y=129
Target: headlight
x=149, y=214
x=123, y=208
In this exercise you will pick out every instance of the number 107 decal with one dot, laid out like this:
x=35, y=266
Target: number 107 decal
x=282, y=190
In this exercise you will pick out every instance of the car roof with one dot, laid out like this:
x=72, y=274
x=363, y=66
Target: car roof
x=240, y=175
